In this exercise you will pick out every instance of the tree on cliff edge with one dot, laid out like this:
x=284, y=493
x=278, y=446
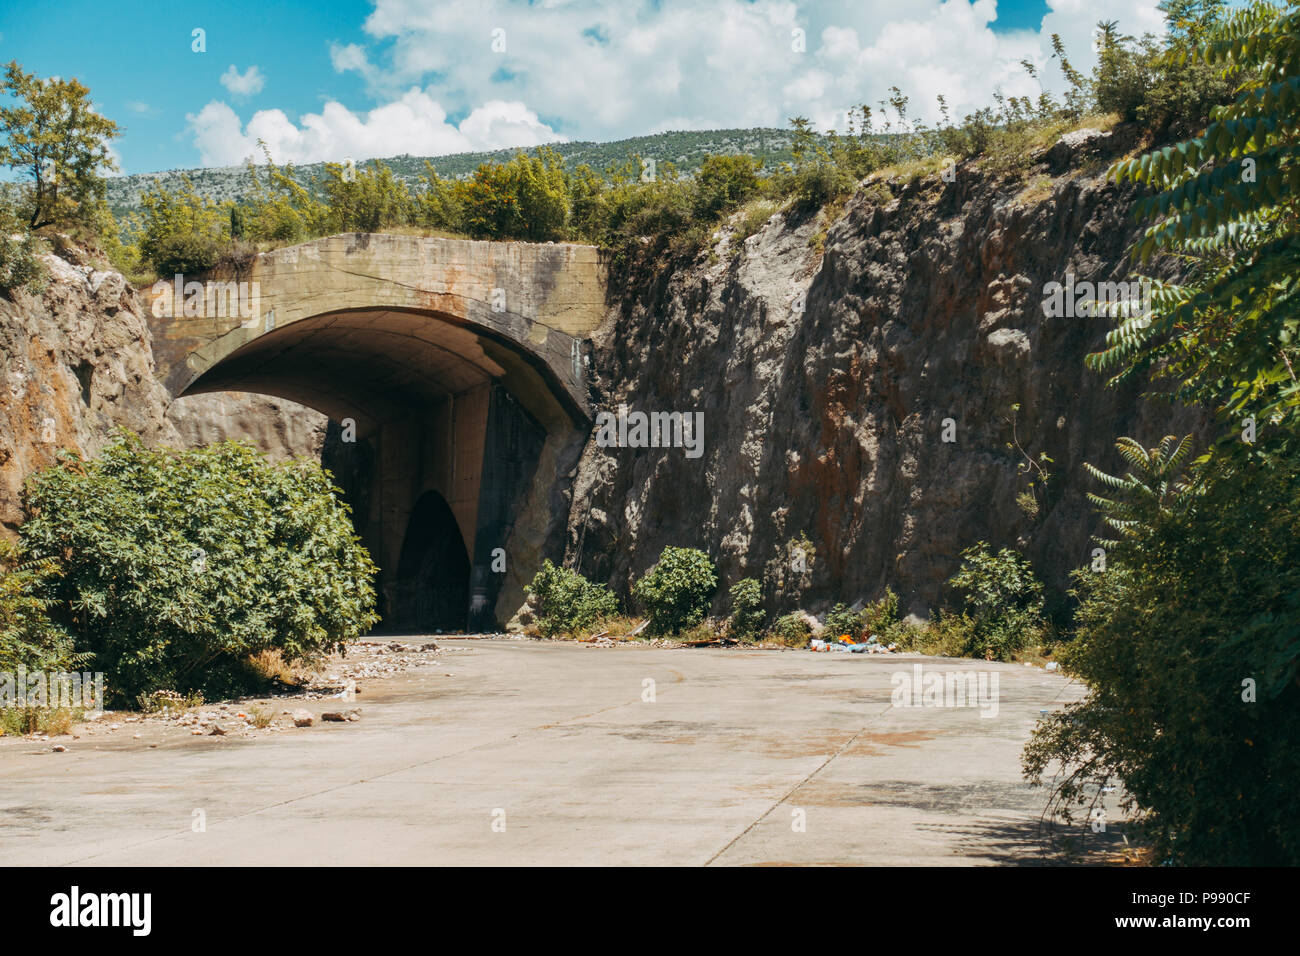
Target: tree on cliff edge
x=53, y=136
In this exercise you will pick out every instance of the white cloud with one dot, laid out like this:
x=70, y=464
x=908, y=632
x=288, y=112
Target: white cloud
x=598, y=69
x=414, y=123
x=720, y=62
x=246, y=84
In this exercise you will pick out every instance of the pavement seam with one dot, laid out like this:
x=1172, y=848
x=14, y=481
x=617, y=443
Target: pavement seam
x=789, y=793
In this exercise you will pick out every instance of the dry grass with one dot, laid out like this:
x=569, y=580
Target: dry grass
x=169, y=701
x=17, y=721
x=270, y=669
x=751, y=218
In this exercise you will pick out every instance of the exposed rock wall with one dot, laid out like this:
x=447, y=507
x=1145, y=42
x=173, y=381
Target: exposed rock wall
x=280, y=428
x=76, y=364
x=825, y=379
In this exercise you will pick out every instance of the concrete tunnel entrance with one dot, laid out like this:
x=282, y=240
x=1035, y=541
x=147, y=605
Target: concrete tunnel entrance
x=449, y=423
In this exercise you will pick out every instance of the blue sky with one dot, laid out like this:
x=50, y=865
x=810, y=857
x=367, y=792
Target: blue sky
x=336, y=78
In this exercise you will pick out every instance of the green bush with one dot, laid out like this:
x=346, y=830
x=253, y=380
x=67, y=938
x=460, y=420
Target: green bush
x=792, y=630
x=181, y=232
x=678, y=590
x=281, y=209
x=1188, y=643
x=840, y=621
x=1003, y=599
x=369, y=200
x=178, y=566
x=28, y=638
x=881, y=617
x=20, y=265
x=747, y=615
x=567, y=603
x=724, y=182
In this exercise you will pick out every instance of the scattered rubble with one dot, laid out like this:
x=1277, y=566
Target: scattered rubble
x=870, y=646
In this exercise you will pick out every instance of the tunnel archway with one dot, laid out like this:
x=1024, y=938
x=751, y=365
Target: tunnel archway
x=431, y=585
x=456, y=367
x=434, y=406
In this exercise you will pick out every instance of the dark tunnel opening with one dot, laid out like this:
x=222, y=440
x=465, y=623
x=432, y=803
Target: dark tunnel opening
x=431, y=586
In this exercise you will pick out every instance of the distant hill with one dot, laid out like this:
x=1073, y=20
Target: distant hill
x=685, y=149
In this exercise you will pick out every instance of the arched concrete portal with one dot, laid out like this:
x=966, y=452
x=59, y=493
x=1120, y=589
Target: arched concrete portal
x=460, y=365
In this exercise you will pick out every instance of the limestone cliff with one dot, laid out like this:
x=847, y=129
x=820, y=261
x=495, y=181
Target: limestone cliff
x=825, y=366
x=76, y=363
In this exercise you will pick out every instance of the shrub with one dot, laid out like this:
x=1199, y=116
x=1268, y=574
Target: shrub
x=20, y=250
x=881, y=617
x=281, y=209
x=753, y=218
x=841, y=622
x=28, y=637
x=678, y=590
x=1003, y=599
x=724, y=182
x=747, y=615
x=177, y=566
x=525, y=198
x=566, y=602
x=1188, y=645
x=38, y=720
x=181, y=231
x=369, y=200
x=792, y=630
x=813, y=184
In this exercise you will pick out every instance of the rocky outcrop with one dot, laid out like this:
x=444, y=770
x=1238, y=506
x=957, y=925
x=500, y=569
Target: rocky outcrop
x=828, y=367
x=276, y=426
x=77, y=363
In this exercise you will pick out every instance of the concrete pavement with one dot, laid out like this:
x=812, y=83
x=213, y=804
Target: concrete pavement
x=539, y=753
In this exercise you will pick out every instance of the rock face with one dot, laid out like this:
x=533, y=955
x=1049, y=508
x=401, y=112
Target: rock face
x=76, y=364
x=827, y=381
x=280, y=428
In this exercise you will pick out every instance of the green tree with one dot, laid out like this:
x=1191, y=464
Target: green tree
x=525, y=198
x=54, y=137
x=177, y=566
x=366, y=199
x=1227, y=202
x=1189, y=644
x=28, y=638
x=181, y=231
x=677, y=590
x=279, y=209
x=724, y=182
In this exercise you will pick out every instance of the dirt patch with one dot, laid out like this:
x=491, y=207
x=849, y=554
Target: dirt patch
x=873, y=745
